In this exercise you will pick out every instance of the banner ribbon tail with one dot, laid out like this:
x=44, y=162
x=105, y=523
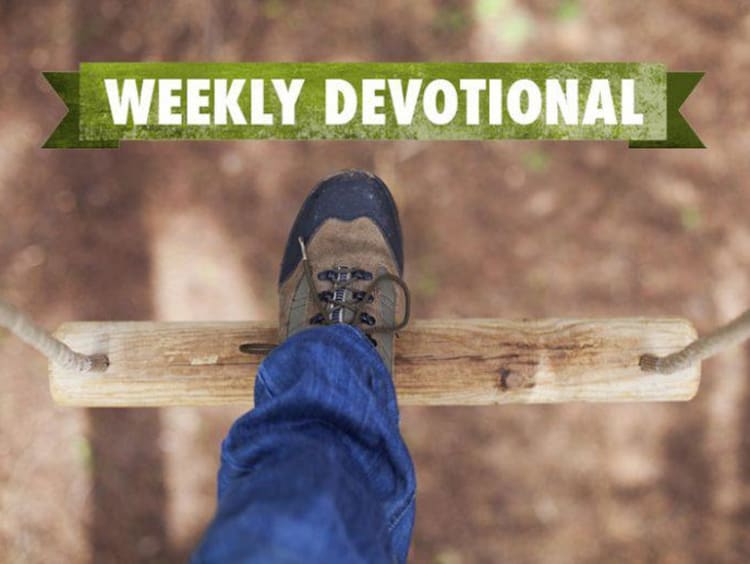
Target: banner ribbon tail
x=67, y=133
x=679, y=133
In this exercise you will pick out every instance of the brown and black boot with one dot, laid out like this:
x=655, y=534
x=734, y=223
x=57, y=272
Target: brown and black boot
x=344, y=260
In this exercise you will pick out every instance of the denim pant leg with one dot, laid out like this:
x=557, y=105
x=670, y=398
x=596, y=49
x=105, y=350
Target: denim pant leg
x=317, y=471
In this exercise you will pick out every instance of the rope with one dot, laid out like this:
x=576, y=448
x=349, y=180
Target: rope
x=21, y=325
x=55, y=350
x=729, y=335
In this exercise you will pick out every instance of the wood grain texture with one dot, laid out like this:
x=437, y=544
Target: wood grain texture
x=438, y=362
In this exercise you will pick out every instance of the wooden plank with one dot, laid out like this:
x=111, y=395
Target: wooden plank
x=438, y=362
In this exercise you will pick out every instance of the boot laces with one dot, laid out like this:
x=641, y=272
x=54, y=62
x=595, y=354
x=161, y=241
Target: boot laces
x=344, y=302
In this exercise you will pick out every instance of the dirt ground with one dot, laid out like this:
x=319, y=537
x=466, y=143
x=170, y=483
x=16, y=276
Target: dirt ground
x=493, y=229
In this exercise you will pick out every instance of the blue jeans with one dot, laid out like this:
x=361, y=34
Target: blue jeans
x=317, y=471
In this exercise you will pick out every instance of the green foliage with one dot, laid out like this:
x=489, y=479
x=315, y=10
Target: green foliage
x=508, y=21
x=490, y=8
x=451, y=20
x=428, y=281
x=273, y=9
x=83, y=453
x=516, y=28
x=568, y=10
x=690, y=218
x=536, y=161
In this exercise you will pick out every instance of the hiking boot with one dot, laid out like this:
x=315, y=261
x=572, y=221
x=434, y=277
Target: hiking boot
x=343, y=262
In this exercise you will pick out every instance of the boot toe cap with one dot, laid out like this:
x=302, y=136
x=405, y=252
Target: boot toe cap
x=346, y=196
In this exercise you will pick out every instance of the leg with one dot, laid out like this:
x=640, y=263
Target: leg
x=318, y=471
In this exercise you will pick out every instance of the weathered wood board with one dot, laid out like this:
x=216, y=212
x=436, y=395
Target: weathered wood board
x=438, y=362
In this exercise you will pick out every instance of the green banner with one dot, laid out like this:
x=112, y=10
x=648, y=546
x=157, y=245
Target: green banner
x=635, y=102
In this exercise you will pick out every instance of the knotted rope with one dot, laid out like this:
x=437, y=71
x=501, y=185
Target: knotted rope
x=55, y=350
x=729, y=335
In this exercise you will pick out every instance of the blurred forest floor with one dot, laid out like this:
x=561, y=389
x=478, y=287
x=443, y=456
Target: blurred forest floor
x=494, y=229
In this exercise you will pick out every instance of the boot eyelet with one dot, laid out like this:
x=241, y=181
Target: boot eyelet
x=329, y=275
x=367, y=319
